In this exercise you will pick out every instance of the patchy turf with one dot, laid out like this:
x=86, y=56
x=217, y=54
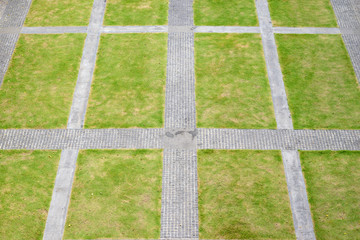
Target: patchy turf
x=59, y=13
x=320, y=82
x=38, y=87
x=116, y=194
x=136, y=12
x=232, y=89
x=129, y=84
x=302, y=13
x=27, y=179
x=225, y=13
x=334, y=194
x=243, y=195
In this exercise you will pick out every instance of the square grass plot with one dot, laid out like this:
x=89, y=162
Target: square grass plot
x=334, y=194
x=26, y=183
x=136, y=12
x=44, y=13
x=129, y=84
x=232, y=88
x=243, y=195
x=320, y=82
x=302, y=13
x=116, y=194
x=38, y=87
x=225, y=13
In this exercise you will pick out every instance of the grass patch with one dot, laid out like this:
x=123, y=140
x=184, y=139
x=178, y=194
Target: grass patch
x=38, y=86
x=116, y=194
x=243, y=195
x=59, y=13
x=225, y=13
x=136, y=12
x=302, y=13
x=128, y=89
x=232, y=89
x=320, y=81
x=27, y=179
x=334, y=194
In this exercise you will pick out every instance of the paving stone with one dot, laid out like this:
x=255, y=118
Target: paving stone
x=348, y=17
x=179, y=201
x=12, y=18
x=53, y=30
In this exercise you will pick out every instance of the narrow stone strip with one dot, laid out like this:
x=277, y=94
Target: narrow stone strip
x=134, y=29
x=157, y=138
x=12, y=19
x=53, y=30
x=306, y=30
x=56, y=219
x=298, y=197
x=179, y=201
x=348, y=18
x=281, y=108
x=164, y=29
x=226, y=29
x=300, y=208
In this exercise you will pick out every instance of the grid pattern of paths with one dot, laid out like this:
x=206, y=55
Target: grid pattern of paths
x=180, y=138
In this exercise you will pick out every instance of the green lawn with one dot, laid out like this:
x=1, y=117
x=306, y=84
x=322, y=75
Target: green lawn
x=128, y=88
x=27, y=179
x=116, y=194
x=59, y=13
x=136, y=12
x=320, y=82
x=232, y=89
x=332, y=180
x=243, y=195
x=225, y=13
x=302, y=13
x=39, y=84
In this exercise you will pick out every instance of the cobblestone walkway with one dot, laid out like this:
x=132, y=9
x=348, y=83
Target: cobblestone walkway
x=180, y=138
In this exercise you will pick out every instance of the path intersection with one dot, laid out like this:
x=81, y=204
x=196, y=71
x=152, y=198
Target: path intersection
x=180, y=138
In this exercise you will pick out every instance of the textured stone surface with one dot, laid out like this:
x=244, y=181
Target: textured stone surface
x=13, y=15
x=156, y=138
x=179, y=200
x=348, y=17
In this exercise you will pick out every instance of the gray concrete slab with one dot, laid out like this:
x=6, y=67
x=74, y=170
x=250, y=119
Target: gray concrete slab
x=226, y=29
x=134, y=29
x=56, y=219
x=87, y=65
x=302, y=222
x=281, y=108
x=300, y=208
x=306, y=30
x=53, y=30
x=60, y=199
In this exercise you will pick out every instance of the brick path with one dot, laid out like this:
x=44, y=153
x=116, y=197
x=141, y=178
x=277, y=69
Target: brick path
x=180, y=138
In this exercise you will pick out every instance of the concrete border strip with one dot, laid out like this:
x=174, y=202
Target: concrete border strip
x=134, y=29
x=300, y=208
x=306, y=30
x=53, y=30
x=56, y=219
